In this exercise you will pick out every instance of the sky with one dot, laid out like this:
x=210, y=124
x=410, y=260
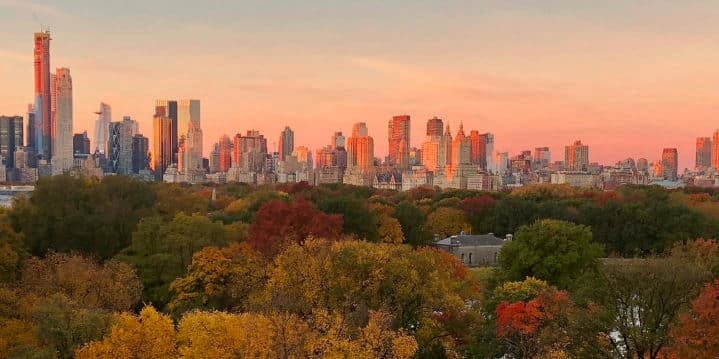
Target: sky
x=628, y=78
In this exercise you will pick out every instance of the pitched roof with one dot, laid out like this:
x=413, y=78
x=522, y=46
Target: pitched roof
x=472, y=240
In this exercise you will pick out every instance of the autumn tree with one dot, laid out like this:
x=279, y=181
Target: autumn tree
x=161, y=251
x=696, y=335
x=477, y=210
x=357, y=218
x=555, y=251
x=219, y=279
x=148, y=335
x=12, y=251
x=643, y=298
x=112, y=286
x=278, y=223
x=534, y=329
x=447, y=221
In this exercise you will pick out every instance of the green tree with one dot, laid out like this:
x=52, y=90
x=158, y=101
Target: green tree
x=357, y=218
x=161, y=251
x=552, y=250
x=413, y=222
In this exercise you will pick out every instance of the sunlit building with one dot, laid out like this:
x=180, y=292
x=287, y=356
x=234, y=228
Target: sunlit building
x=43, y=85
x=161, y=145
x=360, y=148
x=62, y=158
x=398, y=132
x=286, y=143
x=576, y=157
x=670, y=164
x=102, y=125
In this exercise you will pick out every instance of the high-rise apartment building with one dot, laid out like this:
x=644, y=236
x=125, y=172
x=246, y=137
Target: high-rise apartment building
x=670, y=164
x=80, y=144
x=250, y=152
x=703, y=153
x=576, y=157
x=286, y=143
x=62, y=158
x=11, y=138
x=43, y=85
x=360, y=148
x=398, y=132
x=161, y=145
x=140, y=153
x=102, y=128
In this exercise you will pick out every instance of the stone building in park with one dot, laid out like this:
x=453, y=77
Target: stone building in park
x=474, y=250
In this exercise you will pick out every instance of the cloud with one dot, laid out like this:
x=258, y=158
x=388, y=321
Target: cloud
x=33, y=8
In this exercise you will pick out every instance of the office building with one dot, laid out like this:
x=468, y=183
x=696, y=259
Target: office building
x=140, y=153
x=168, y=108
x=434, y=128
x=120, y=146
x=80, y=144
x=11, y=138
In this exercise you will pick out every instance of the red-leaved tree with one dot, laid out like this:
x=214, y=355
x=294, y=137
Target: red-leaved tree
x=697, y=333
x=532, y=329
x=278, y=222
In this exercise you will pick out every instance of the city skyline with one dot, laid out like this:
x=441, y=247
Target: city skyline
x=570, y=91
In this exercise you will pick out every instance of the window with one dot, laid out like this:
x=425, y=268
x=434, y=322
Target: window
x=470, y=258
x=462, y=258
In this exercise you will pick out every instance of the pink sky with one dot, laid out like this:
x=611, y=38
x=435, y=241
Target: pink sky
x=626, y=80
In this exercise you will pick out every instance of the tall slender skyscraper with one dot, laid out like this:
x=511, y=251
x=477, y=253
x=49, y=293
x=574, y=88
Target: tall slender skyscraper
x=168, y=108
x=102, y=125
x=120, y=146
x=43, y=94
x=188, y=125
x=286, y=143
x=62, y=158
x=715, y=150
x=225, y=153
x=161, y=145
x=704, y=153
x=398, y=131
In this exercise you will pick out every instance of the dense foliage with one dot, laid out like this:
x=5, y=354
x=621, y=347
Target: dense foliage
x=123, y=268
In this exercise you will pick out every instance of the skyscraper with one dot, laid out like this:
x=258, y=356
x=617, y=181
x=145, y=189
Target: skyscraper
x=434, y=128
x=62, y=158
x=225, y=153
x=360, y=148
x=670, y=164
x=80, y=144
x=461, y=149
x=120, y=146
x=576, y=157
x=42, y=94
x=188, y=125
x=250, y=152
x=704, y=153
x=140, y=152
x=338, y=140
x=286, y=143
x=168, y=108
x=398, y=132
x=161, y=145
x=444, y=158
x=11, y=138
x=102, y=124
x=715, y=150
x=542, y=156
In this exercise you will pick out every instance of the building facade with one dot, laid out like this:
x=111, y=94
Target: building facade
x=398, y=134
x=62, y=158
x=703, y=153
x=161, y=145
x=576, y=157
